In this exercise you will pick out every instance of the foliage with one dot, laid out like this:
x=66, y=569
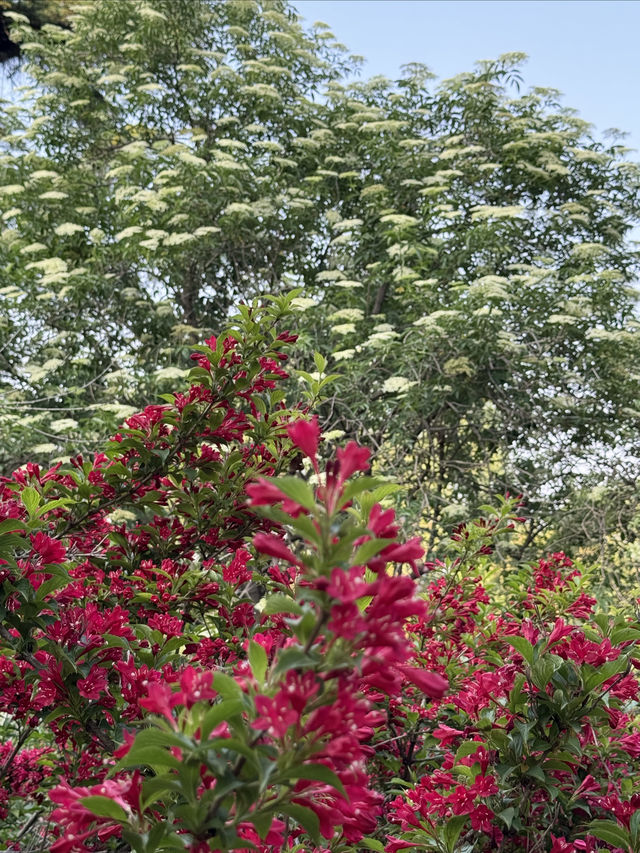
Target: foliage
x=479, y=296
x=129, y=618
x=465, y=245
x=148, y=182
x=534, y=748
x=210, y=653
x=39, y=13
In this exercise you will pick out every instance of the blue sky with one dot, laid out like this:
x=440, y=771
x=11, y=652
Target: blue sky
x=588, y=49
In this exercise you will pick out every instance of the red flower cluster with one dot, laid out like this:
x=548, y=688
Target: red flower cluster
x=212, y=655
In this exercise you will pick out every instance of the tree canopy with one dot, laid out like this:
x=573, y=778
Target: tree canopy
x=464, y=248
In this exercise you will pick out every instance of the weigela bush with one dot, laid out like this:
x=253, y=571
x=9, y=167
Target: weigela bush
x=535, y=747
x=203, y=652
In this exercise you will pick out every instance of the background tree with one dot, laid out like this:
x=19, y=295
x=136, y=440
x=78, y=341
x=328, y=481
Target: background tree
x=39, y=13
x=478, y=293
x=149, y=181
x=466, y=247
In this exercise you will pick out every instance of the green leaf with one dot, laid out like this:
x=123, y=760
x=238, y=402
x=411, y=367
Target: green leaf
x=317, y=773
x=356, y=487
x=226, y=686
x=604, y=672
x=152, y=756
x=507, y=815
x=368, y=550
x=105, y=807
x=31, y=499
x=610, y=832
x=523, y=647
x=153, y=738
x=11, y=525
x=468, y=748
x=258, y=661
x=296, y=489
x=293, y=658
x=59, y=579
x=537, y=773
x=262, y=822
x=623, y=634
x=306, y=818
x=543, y=669
x=372, y=844
x=280, y=603
x=303, y=525
x=154, y=788
x=452, y=830
x=50, y=505
x=634, y=828
x=224, y=710
x=320, y=361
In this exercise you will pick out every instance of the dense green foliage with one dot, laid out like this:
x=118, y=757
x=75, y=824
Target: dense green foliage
x=199, y=652
x=39, y=13
x=126, y=184
x=214, y=635
x=464, y=249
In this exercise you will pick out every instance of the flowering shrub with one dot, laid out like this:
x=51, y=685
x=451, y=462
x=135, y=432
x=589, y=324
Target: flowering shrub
x=195, y=680
x=536, y=745
x=203, y=652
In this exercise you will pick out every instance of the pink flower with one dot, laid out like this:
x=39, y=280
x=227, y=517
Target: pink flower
x=195, y=685
x=432, y=684
x=352, y=458
x=631, y=744
x=561, y=845
x=273, y=546
x=306, y=435
x=78, y=823
x=160, y=699
x=560, y=630
x=381, y=522
x=94, y=684
x=48, y=549
x=264, y=493
x=447, y=735
x=278, y=713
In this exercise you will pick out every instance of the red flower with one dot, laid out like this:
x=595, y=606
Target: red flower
x=432, y=684
x=306, y=435
x=352, y=458
x=381, y=522
x=195, y=685
x=168, y=625
x=160, y=699
x=273, y=546
x=264, y=493
x=78, y=823
x=237, y=572
x=94, y=684
x=48, y=549
x=447, y=735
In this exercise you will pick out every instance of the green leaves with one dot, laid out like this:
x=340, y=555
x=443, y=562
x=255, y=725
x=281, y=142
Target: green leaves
x=306, y=818
x=297, y=490
x=611, y=833
x=31, y=499
x=523, y=647
x=105, y=807
x=258, y=661
x=316, y=773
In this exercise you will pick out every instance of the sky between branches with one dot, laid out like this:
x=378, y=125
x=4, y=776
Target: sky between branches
x=588, y=49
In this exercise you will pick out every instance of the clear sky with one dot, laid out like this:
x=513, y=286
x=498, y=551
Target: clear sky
x=588, y=49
